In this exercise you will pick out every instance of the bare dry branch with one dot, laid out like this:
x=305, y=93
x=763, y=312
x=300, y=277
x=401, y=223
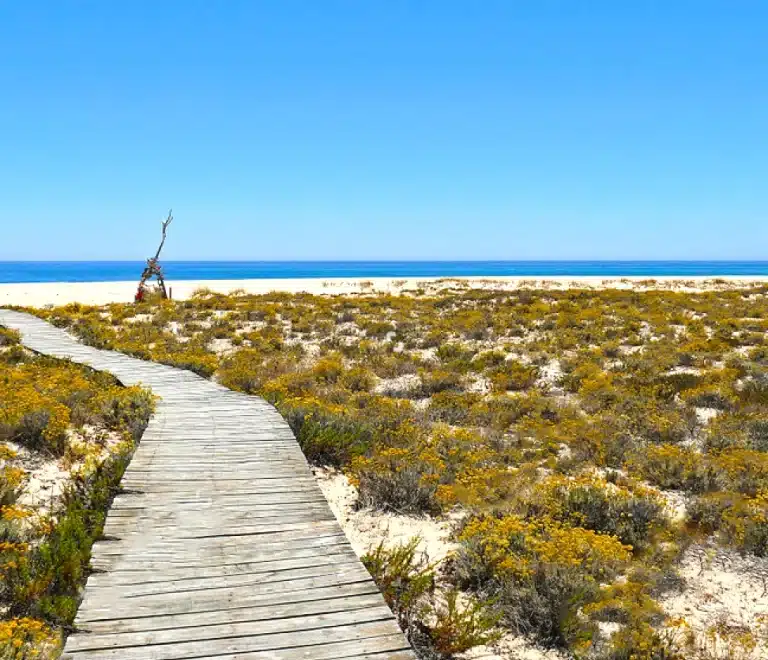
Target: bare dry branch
x=166, y=222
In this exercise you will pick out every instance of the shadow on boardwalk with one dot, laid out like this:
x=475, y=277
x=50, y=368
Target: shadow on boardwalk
x=222, y=545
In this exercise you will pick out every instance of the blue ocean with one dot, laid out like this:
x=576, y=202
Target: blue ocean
x=114, y=271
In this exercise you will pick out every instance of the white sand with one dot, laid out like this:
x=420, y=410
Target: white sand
x=39, y=294
x=365, y=528
x=722, y=589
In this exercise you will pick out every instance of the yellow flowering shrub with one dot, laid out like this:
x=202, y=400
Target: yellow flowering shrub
x=31, y=407
x=746, y=524
x=250, y=370
x=674, y=467
x=433, y=472
x=39, y=400
x=746, y=429
x=479, y=487
x=624, y=602
x=539, y=571
x=743, y=470
x=11, y=478
x=26, y=638
x=711, y=395
x=644, y=641
x=8, y=337
x=512, y=375
x=632, y=515
x=514, y=547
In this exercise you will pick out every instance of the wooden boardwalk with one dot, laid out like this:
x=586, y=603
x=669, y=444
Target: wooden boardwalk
x=223, y=545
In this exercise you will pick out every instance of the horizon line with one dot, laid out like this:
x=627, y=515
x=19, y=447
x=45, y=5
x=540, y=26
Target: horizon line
x=382, y=261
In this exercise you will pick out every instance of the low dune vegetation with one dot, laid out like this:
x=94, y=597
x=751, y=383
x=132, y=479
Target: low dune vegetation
x=66, y=433
x=597, y=454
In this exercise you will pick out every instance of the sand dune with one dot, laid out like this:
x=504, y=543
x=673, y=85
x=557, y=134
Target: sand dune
x=38, y=294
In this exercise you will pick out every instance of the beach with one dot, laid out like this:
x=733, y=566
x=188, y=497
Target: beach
x=41, y=294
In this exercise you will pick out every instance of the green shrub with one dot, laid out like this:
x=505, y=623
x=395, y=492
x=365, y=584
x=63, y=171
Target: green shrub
x=653, y=420
x=458, y=628
x=402, y=491
x=512, y=376
x=408, y=584
x=488, y=359
x=453, y=407
x=706, y=512
x=742, y=470
x=266, y=341
x=247, y=370
x=201, y=364
x=540, y=572
x=48, y=584
x=11, y=480
x=545, y=606
x=358, y=379
x=742, y=429
x=391, y=365
x=438, y=380
x=292, y=384
x=328, y=369
x=718, y=396
x=9, y=337
x=742, y=522
x=126, y=408
x=377, y=329
x=327, y=438
x=644, y=642
x=405, y=579
x=755, y=388
x=578, y=370
x=455, y=353
x=93, y=334
x=499, y=412
x=678, y=382
x=675, y=468
x=628, y=516
x=30, y=431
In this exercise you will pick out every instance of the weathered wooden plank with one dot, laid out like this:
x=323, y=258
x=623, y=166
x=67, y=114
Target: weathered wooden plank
x=222, y=499
x=109, y=605
x=233, y=547
x=281, y=611
x=255, y=515
x=183, y=575
x=376, y=647
x=244, y=579
x=301, y=598
x=203, y=528
x=122, y=562
x=208, y=632
x=254, y=512
x=245, y=643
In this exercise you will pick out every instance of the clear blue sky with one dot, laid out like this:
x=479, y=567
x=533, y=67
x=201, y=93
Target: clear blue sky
x=384, y=129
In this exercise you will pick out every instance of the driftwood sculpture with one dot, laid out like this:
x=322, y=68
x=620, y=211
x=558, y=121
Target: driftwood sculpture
x=153, y=268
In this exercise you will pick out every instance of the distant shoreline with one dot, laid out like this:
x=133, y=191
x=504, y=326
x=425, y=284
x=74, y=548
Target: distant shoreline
x=123, y=271
x=40, y=294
